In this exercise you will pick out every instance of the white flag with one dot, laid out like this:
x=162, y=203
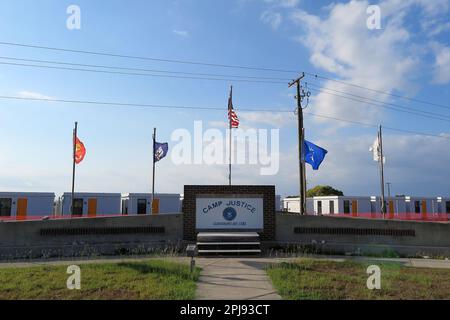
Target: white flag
x=376, y=150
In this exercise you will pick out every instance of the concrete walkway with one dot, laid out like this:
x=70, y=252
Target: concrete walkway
x=234, y=279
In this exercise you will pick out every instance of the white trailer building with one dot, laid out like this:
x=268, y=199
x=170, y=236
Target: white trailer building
x=422, y=205
x=292, y=204
x=371, y=206
x=90, y=203
x=366, y=206
x=443, y=205
x=23, y=204
x=140, y=203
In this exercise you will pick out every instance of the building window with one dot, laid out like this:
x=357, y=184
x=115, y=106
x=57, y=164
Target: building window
x=417, y=206
x=77, y=207
x=319, y=207
x=447, y=206
x=141, y=206
x=331, y=206
x=5, y=207
x=346, y=206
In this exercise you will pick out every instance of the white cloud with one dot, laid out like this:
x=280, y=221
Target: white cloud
x=182, y=33
x=442, y=65
x=34, y=95
x=349, y=165
x=283, y=3
x=274, y=119
x=272, y=18
x=341, y=43
x=218, y=124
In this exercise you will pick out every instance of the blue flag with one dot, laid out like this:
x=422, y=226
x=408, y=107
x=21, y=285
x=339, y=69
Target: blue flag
x=314, y=155
x=160, y=150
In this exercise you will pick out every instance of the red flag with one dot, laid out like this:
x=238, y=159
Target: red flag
x=80, y=151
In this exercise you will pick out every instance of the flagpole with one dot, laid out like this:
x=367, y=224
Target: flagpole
x=383, y=203
x=73, y=166
x=229, y=120
x=303, y=168
x=153, y=177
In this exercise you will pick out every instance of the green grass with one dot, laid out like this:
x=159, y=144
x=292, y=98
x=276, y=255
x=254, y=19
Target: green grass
x=316, y=279
x=152, y=280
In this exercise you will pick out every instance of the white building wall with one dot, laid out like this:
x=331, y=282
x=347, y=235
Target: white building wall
x=107, y=203
x=38, y=203
x=443, y=205
x=369, y=204
x=168, y=202
x=291, y=205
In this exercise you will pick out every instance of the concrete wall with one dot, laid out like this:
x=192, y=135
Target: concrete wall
x=89, y=236
x=147, y=233
x=341, y=234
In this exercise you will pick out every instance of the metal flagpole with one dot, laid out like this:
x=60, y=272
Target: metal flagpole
x=73, y=166
x=229, y=120
x=380, y=143
x=304, y=171
x=153, y=177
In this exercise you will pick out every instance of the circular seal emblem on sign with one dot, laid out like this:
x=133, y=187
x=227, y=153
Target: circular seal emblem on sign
x=229, y=213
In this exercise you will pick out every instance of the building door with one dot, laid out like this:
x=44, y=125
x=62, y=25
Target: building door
x=92, y=207
x=391, y=209
x=155, y=206
x=77, y=207
x=354, y=208
x=141, y=206
x=5, y=207
x=424, y=209
x=22, y=204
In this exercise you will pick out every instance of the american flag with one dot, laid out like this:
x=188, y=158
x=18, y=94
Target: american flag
x=232, y=116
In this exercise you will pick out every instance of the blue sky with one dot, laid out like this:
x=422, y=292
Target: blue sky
x=408, y=56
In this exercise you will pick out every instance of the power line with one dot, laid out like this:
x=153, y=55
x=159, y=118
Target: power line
x=99, y=53
x=202, y=74
x=219, y=65
x=379, y=101
x=385, y=107
x=382, y=105
x=141, y=69
x=376, y=126
x=121, y=104
x=379, y=91
x=138, y=74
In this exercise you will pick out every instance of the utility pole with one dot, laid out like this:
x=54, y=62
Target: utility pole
x=301, y=130
x=73, y=165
